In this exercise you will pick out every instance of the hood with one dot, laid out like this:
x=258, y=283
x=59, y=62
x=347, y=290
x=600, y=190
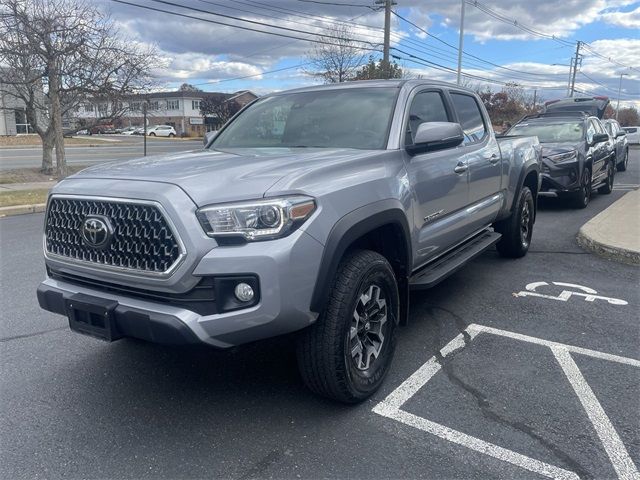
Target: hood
x=549, y=149
x=211, y=176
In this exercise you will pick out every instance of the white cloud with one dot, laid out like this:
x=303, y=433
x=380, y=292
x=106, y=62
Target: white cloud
x=623, y=19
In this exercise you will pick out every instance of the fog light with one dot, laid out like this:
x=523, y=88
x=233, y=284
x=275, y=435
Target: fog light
x=244, y=292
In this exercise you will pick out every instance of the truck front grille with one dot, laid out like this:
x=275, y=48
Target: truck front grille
x=141, y=240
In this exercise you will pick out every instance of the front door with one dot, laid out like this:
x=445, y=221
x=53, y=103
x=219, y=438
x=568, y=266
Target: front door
x=439, y=180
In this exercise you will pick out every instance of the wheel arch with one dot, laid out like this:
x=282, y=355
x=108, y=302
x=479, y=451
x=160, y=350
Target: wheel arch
x=382, y=227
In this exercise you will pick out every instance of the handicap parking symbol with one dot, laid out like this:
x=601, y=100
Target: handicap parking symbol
x=588, y=294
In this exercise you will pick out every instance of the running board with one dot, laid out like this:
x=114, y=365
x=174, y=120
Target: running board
x=453, y=261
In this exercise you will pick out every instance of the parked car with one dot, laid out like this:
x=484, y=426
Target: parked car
x=161, y=131
x=84, y=131
x=578, y=156
x=128, y=130
x=138, y=131
x=633, y=135
x=316, y=219
x=68, y=132
x=101, y=129
x=620, y=143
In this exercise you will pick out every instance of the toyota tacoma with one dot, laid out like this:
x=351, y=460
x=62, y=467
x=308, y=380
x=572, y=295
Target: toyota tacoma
x=312, y=211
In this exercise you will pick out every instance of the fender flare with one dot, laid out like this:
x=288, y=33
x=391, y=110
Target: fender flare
x=350, y=228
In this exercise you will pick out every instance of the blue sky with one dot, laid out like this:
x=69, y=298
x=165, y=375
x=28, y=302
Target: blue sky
x=212, y=56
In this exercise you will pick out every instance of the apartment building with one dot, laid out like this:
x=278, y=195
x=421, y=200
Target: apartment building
x=179, y=109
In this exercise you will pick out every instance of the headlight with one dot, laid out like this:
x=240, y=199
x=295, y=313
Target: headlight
x=256, y=220
x=564, y=157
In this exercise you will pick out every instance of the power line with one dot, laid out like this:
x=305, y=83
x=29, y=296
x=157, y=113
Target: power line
x=191, y=17
x=254, y=22
x=358, y=5
x=466, y=53
x=251, y=76
x=605, y=86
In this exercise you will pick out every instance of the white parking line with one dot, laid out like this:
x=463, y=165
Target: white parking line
x=391, y=406
x=614, y=447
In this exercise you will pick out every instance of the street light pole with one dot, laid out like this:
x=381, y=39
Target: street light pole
x=619, y=89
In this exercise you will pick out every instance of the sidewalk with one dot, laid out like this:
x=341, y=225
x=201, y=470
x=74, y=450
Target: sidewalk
x=15, y=187
x=615, y=232
x=24, y=187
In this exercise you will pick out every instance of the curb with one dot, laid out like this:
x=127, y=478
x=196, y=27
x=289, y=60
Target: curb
x=22, y=209
x=623, y=255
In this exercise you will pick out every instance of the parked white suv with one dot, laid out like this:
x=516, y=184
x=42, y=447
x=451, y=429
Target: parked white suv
x=633, y=134
x=161, y=131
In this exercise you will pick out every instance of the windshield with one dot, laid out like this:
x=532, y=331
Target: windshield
x=550, y=132
x=344, y=118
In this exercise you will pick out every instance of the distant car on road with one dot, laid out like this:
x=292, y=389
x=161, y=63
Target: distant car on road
x=101, y=129
x=633, y=135
x=620, y=143
x=161, y=131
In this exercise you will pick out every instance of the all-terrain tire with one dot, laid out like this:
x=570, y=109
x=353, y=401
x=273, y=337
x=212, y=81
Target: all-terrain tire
x=517, y=230
x=325, y=349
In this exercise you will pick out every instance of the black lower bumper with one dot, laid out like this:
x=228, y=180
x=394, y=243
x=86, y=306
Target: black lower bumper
x=562, y=179
x=127, y=321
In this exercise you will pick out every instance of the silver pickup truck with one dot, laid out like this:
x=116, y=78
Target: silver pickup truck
x=312, y=211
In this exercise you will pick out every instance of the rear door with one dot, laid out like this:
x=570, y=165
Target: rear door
x=439, y=180
x=482, y=154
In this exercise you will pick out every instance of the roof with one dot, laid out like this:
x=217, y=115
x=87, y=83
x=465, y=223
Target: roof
x=393, y=83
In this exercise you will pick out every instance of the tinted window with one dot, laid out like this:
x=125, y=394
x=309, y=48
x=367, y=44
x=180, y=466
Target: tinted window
x=610, y=128
x=425, y=107
x=470, y=118
x=336, y=118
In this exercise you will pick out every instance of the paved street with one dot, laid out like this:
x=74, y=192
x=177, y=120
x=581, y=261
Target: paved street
x=130, y=147
x=526, y=385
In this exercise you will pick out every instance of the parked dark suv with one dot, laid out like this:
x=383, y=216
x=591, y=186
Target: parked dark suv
x=577, y=154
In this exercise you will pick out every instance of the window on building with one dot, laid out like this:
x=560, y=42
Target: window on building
x=154, y=105
x=102, y=109
x=173, y=104
x=195, y=104
x=135, y=106
x=88, y=107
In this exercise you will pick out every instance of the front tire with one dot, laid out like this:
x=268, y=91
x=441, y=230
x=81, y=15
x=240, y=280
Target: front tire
x=581, y=198
x=171, y=135
x=608, y=186
x=517, y=230
x=622, y=166
x=152, y=134
x=347, y=353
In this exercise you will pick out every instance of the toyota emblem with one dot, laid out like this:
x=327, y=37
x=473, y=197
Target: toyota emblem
x=96, y=231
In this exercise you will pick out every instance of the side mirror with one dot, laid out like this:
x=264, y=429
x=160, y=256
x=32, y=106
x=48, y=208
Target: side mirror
x=208, y=137
x=621, y=133
x=436, y=136
x=599, y=138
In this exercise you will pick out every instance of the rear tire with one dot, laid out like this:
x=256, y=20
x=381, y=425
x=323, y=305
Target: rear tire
x=517, y=230
x=607, y=188
x=622, y=166
x=347, y=353
x=580, y=199
x=152, y=134
x=171, y=135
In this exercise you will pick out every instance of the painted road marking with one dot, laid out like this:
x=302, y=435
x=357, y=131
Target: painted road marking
x=614, y=447
x=391, y=406
x=589, y=294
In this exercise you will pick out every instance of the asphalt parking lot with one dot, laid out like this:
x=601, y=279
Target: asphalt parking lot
x=498, y=375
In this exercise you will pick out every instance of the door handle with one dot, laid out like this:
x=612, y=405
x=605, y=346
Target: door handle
x=493, y=159
x=461, y=168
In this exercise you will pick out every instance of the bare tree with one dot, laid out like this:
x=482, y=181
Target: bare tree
x=56, y=54
x=338, y=62
x=219, y=108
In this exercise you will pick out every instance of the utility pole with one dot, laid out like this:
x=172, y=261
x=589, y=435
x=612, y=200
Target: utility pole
x=535, y=97
x=461, y=43
x=619, y=89
x=387, y=34
x=575, y=69
x=570, y=75
x=144, y=120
